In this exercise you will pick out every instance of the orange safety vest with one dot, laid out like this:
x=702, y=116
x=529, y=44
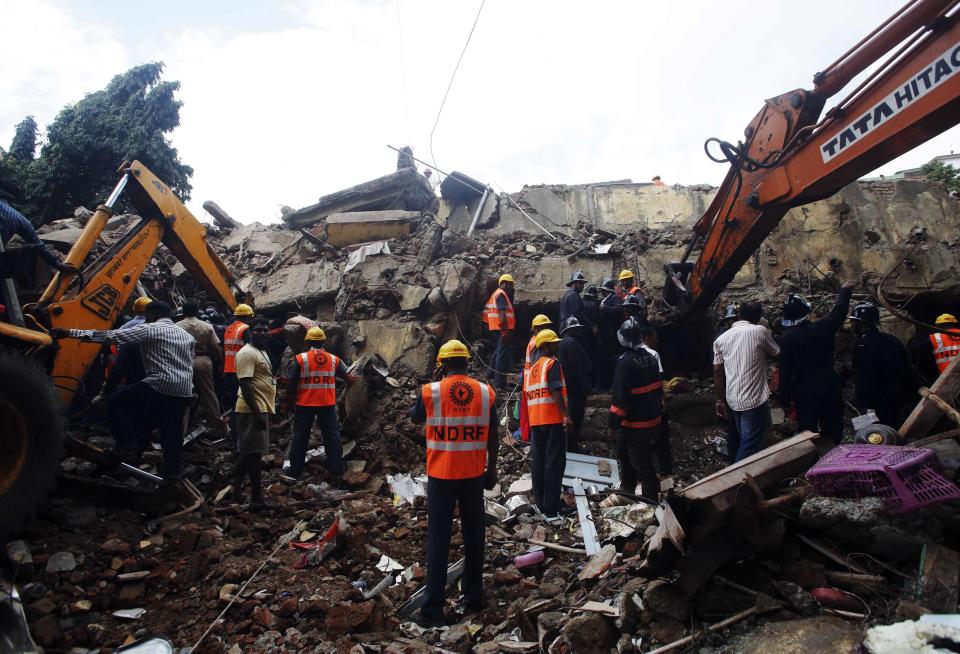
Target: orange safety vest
x=531, y=348
x=318, y=382
x=543, y=410
x=946, y=347
x=458, y=425
x=491, y=314
x=232, y=342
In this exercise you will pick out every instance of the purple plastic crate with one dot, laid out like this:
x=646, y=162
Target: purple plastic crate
x=905, y=478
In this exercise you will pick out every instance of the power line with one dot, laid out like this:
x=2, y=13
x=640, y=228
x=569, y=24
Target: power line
x=456, y=68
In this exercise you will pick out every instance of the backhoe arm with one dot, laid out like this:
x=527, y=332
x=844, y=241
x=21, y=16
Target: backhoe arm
x=109, y=281
x=789, y=159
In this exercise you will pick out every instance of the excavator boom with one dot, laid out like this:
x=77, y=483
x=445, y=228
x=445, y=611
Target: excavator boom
x=791, y=156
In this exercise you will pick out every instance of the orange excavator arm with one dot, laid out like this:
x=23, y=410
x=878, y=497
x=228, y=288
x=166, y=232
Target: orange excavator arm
x=792, y=156
x=95, y=299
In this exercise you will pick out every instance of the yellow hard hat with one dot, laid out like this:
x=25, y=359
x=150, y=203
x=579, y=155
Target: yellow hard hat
x=946, y=318
x=243, y=310
x=546, y=336
x=540, y=320
x=141, y=303
x=452, y=349
x=505, y=278
x=315, y=334
x=625, y=274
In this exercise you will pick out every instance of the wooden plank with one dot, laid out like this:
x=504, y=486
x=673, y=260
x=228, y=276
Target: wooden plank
x=939, y=578
x=925, y=415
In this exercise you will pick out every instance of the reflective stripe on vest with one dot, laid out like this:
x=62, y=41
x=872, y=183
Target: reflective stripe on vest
x=643, y=390
x=641, y=424
x=946, y=347
x=232, y=342
x=540, y=404
x=458, y=422
x=531, y=348
x=318, y=382
x=491, y=314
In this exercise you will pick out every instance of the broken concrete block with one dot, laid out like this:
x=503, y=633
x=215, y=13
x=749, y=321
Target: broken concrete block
x=298, y=286
x=258, y=239
x=404, y=189
x=590, y=632
x=411, y=297
x=399, y=343
x=220, y=217
x=364, y=226
x=21, y=561
x=666, y=598
x=61, y=562
x=456, y=279
x=820, y=634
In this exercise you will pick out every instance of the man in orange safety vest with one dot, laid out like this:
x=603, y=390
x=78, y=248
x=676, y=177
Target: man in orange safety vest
x=461, y=438
x=501, y=321
x=234, y=338
x=946, y=345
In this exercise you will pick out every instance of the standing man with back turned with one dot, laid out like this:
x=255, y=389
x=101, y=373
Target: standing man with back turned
x=740, y=357
x=233, y=340
x=461, y=433
x=206, y=359
x=501, y=321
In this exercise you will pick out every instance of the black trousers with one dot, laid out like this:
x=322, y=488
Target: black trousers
x=548, y=445
x=129, y=411
x=231, y=389
x=577, y=406
x=303, y=419
x=663, y=449
x=823, y=415
x=443, y=495
x=636, y=461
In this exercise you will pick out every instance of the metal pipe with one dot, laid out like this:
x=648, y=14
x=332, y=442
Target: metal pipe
x=134, y=471
x=476, y=216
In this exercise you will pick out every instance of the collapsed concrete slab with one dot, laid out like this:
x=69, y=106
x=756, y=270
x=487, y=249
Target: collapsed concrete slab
x=345, y=229
x=256, y=238
x=399, y=343
x=405, y=189
x=300, y=286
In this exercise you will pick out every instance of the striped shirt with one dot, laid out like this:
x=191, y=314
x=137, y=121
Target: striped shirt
x=743, y=351
x=166, y=350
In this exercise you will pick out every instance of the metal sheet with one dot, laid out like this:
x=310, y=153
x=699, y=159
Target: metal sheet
x=590, y=541
x=586, y=467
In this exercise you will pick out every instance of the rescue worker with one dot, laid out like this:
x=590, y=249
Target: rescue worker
x=636, y=410
x=256, y=402
x=313, y=389
x=808, y=381
x=571, y=304
x=591, y=341
x=882, y=377
x=539, y=322
x=501, y=321
x=730, y=315
x=139, y=306
x=634, y=306
x=611, y=317
x=945, y=346
x=207, y=357
x=462, y=448
x=546, y=395
x=662, y=447
x=578, y=376
x=234, y=338
x=628, y=285
x=591, y=304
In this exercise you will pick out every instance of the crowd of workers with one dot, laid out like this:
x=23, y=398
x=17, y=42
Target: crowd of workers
x=153, y=367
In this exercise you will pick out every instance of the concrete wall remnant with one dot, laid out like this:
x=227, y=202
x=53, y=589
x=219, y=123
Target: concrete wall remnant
x=399, y=343
x=300, y=286
x=354, y=227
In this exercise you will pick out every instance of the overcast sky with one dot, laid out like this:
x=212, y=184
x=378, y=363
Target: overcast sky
x=286, y=101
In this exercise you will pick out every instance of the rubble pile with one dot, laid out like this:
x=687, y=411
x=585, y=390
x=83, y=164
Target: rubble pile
x=745, y=558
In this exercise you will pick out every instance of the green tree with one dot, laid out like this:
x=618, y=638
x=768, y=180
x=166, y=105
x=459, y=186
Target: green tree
x=87, y=142
x=24, y=144
x=938, y=171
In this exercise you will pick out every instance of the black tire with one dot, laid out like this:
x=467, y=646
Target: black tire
x=31, y=440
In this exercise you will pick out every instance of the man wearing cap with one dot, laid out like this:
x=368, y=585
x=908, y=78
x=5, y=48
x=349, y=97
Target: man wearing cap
x=635, y=306
x=882, y=377
x=808, y=381
x=546, y=395
x=127, y=366
x=234, y=338
x=501, y=321
x=571, y=304
x=628, y=285
x=578, y=375
x=611, y=317
x=461, y=437
x=313, y=387
x=139, y=306
x=540, y=321
x=636, y=409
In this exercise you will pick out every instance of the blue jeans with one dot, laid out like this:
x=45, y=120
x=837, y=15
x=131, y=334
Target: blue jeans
x=752, y=425
x=502, y=360
x=443, y=495
x=326, y=416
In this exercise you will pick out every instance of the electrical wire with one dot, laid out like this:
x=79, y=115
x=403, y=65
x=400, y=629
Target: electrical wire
x=452, y=77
